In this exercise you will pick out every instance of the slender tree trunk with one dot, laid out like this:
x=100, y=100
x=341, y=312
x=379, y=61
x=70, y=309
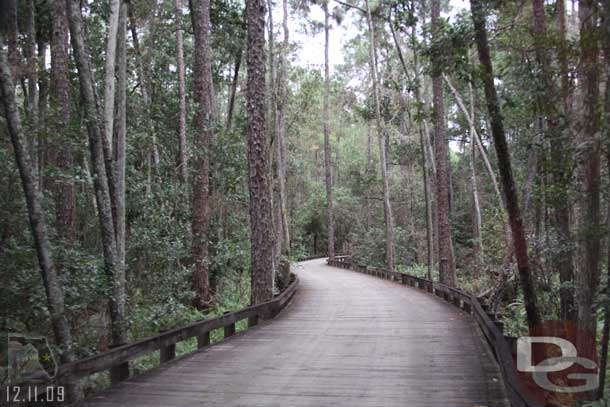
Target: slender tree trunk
x=234, y=82
x=59, y=151
x=606, y=330
x=560, y=164
x=260, y=196
x=504, y=164
x=327, y=153
x=587, y=279
x=422, y=128
x=109, y=79
x=144, y=90
x=202, y=123
x=91, y=113
x=184, y=169
x=31, y=69
x=12, y=32
x=387, y=208
x=54, y=293
x=281, y=134
x=477, y=223
x=445, y=250
x=121, y=136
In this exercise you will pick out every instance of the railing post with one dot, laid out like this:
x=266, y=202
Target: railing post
x=203, y=340
x=229, y=330
x=252, y=321
x=167, y=353
x=119, y=372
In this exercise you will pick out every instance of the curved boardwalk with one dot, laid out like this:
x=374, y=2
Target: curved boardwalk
x=348, y=339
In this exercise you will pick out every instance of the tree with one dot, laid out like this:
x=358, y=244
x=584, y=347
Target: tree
x=327, y=153
x=184, y=169
x=587, y=278
x=281, y=151
x=91, y=113
x=260, y=197
x=387, y=207
x=59, y=151
x=121, y=136
x=504, y=164
x=53, y=289
x=443, y=207
x=109, y=81
x=202, y=124
x=561, y=164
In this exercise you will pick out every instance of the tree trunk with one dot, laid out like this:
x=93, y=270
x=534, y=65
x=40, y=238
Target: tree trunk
x=234, y=82
x=184, y=169
x=443, y=212
x=144, y=90
x=121, y=136
x=91, y=113
x=109, y=80
x=560, y=164
x=327, y=153
x=55, y=299
x=202, y=123
x=59, y=151
x=12, y=33
x=422, y=128
x=260, y=197
x=606, y=330
x=587, y=279
x=477, y=233
x=504, y=165
x=387, y=208
x=31, y=69
x=281, y=133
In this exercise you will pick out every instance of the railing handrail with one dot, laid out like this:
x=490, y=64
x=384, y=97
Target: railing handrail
x=470, y=303
x=119, y=357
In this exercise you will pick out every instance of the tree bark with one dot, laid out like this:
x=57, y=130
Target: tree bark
x=31, y=69
x=202, y=123
x=477, y=232
x=184, y=169
x=587, y=278
x=443, y=212
x=328, y=177
x=260, y=197
x=121, y=136
x=109, y=79
x=153, y=154
x=606, y=329
x=422, y=128
x=54, y=293
x=234, y=82
x=59, y=151
x=504, y=164
x=281, y=134
x=91, y=113
x=387, y=208
x=12, y=33
x=560, y=163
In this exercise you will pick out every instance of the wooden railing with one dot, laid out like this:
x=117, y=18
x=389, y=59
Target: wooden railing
x=117, y=360
x=489, y=325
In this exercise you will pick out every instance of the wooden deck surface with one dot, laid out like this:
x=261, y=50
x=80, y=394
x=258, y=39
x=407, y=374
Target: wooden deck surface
x=348, y=339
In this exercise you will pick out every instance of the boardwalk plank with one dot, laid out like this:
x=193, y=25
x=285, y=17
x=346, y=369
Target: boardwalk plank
x=348, y=339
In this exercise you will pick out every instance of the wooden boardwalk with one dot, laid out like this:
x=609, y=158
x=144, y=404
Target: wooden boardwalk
x=348, y=339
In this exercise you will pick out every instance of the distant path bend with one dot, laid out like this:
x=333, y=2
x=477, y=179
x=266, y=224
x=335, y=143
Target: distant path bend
x=348, y=339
